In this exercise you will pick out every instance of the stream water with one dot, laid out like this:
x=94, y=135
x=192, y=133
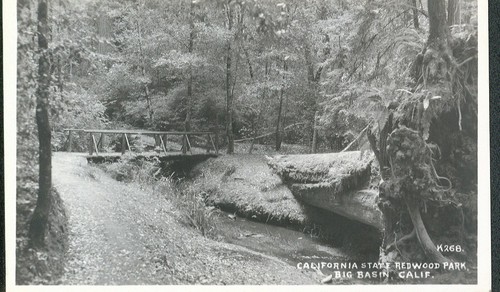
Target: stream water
x=293, y=247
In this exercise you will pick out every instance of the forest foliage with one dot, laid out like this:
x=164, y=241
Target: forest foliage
x=147, y=64
x=317, y=73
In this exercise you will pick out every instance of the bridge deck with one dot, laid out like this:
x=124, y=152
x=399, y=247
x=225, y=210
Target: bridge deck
x=169, y=156
x=148, y=154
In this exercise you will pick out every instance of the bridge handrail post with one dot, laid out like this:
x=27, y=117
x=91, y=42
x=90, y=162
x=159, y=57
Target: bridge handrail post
x=184, y=144
x=96, y=147
x=70, y=141
x=90, y=144
x=189, y=144
x=213, y=144
x=101, y=142
x=157, y=141
x=216, y=146
x=208, y=143
x=123, y=144
x=163, y=147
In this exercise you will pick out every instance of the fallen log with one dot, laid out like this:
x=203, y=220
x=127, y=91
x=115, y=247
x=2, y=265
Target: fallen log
x=336, y=182
x=359, y=205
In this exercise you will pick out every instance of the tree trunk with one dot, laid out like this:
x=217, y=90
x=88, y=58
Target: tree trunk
x=424, y=239
x=189, y=103
x=189, y=109
x=312, y=81
x=438, y=28
x=309, y=64
x=229, y=95
x=312, y=85
x=39, y=221
x=143, y=72
x=314, y=146
x=250, y=68
x=279, y=137
x=415, y=14
x=391, y=204
x=279, y=124
x=60, y=76
x=453, y=12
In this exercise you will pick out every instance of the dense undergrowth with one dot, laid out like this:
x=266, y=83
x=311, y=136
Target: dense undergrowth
x=40, y=265
x=148, y=173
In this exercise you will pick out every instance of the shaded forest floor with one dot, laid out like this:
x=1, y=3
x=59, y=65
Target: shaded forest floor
x=122, y=234
x=134, y=233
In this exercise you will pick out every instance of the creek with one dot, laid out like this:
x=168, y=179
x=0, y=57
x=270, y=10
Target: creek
x=298, y=249
x=332, y=240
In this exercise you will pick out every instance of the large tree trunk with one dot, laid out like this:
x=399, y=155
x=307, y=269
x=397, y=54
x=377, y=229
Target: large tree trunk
x=229, y=94
x=428, y=247
x=438, y=28
x=39, y=221
x=453, y=12
x=438, y=41
x=389, y=181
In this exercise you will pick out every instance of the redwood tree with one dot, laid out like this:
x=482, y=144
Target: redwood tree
x=453, y=12
x=39, y=221
x=408, y=175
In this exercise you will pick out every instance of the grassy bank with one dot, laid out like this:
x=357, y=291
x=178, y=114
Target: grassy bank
x=244, y=184
x=149, y=175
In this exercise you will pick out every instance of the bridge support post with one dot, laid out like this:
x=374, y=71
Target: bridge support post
x=189, y=144
x=124, y=144
x=184, y=144
x=91, y=144
x=208, y=143
x=101, y=142
x=165, y=137
x=216, y=146
x=70, y=141
x=157, y=141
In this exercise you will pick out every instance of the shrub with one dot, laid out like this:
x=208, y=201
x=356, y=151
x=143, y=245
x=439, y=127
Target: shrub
x=197, y=214
x=129, y=169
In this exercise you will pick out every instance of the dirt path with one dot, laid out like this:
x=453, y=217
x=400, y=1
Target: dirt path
x=120, y=234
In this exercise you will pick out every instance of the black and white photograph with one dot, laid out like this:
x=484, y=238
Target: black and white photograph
x=248, y=142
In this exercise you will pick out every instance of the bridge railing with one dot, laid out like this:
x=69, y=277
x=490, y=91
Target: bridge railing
x=161, y=139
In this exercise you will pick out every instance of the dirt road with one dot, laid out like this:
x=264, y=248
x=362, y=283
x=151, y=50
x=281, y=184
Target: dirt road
x=120, y=234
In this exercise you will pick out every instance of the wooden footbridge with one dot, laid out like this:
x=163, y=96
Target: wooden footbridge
x=97, y=138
